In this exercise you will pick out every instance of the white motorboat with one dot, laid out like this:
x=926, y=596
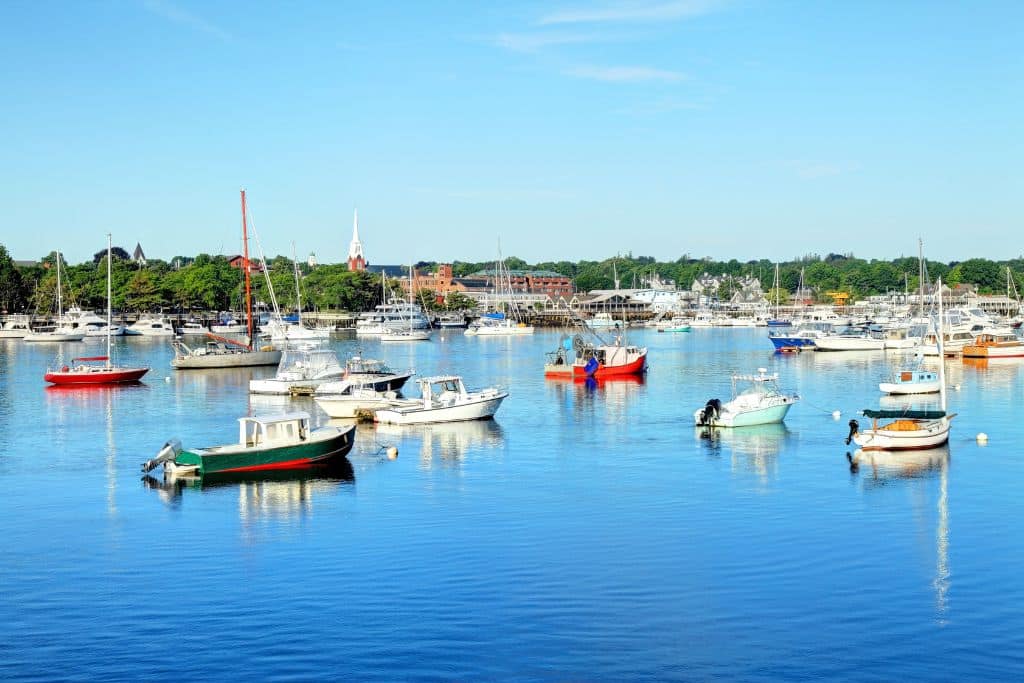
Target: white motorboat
x=300, y=371
x=151, y=326
x=761, y=402
x=604, y=321
x=355, y=399
x=90, y=323
x=193, y=328
x=445, y=399
x=490, y=326
x=368, y=373
x=850, y=341
x=409, y=332
x=15, y=327
x=1004, y=345
x=451, y=320
x=228, y=326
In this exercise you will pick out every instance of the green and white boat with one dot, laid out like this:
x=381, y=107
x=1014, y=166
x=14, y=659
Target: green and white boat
x=271, y=442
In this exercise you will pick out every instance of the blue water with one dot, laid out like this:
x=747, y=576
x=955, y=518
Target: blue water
x=589, y=533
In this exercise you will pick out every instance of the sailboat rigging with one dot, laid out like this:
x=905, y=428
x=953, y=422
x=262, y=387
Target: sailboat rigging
x=83, y=373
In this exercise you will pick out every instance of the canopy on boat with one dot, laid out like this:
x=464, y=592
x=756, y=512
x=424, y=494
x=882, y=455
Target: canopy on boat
x=905, y=414
x=91, y=358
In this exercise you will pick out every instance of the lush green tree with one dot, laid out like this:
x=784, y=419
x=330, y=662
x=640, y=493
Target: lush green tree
x=142, y=292
x=985, y=274
x=457, y=301
x=11, y=285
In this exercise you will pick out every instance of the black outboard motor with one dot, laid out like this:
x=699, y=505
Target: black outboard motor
x=854, y=428
x=712, y=409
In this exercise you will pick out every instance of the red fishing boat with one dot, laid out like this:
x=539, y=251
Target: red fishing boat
x=580, y=358
x=96, y=374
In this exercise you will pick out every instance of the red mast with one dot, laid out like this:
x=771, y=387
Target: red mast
x=245, y=266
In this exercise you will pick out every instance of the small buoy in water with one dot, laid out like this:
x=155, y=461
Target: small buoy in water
x=392, y=452
x=956, y=387
x=982, y=437
x=836, y=414
x=167, y=378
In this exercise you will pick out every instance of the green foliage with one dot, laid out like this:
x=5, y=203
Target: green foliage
x=11, y=285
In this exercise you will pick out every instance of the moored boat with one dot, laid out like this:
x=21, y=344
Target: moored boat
x=271, y=442
x=908, y=429
x=15, y=327
x=911, y=382
x=366, y=372
x=994, y=346
x=353, y=399
x=761, y=402
x=300, y=371
x=445, y=399
x=579, y=357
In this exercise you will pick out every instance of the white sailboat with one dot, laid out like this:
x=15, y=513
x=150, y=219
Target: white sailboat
x=58, y=332
x=498, y=324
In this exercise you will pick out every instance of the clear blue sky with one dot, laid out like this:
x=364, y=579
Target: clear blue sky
x=578, y=129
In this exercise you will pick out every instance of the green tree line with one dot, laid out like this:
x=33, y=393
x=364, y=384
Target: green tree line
x=206, y=282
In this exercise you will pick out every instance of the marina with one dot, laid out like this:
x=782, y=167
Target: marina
x=586, y=505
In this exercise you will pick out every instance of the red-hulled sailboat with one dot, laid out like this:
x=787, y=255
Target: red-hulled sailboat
x=86, y=372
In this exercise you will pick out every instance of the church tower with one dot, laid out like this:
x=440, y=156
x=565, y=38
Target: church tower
x=355, y=247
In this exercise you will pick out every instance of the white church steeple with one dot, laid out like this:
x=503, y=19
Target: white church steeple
x=356, y=260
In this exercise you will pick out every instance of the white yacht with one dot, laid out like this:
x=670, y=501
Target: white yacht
x=384, y=318
x=15, y=327
x=151, y=326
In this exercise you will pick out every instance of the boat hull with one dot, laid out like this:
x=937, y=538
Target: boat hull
x=101, y=376
x=54, y=337
x=226, y=360
x=930, y=434
x=993, y=351
x=779, y=341
x=317, y=452
x=909, y=388
x=749, y=418
x=634, y=367
x=849, y=344
x=480, y=409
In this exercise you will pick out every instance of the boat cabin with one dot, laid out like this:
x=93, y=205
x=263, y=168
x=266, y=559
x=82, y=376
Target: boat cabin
x=997, y=340
x=442, y=388
x=283, y=429
x=915, y=376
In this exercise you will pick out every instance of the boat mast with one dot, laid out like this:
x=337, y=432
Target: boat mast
x=245, y=267
x=920, y=279
x=60, y=301
x=109, y=305
x=942, y=354
x=298, y=295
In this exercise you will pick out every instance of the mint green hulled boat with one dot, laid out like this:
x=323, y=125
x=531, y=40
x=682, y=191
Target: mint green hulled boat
x=272, y=442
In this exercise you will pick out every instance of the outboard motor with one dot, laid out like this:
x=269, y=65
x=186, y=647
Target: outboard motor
x=169, y=451
x=711, y=411
x=854, y=428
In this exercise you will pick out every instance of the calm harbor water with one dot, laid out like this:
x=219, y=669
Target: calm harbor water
x=589, y=533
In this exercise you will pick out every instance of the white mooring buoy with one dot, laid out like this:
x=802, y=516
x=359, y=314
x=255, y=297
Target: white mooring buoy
x=167, y=378
x=982, y=438
x=392, y=452
x=836, y=414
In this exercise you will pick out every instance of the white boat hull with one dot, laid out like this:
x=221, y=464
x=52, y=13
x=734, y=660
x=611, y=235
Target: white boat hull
x=931, y=433
x=349, y=407
x=849, y=344
x=54, y=336
x=746, y=418
x=908, y=388
x=498, y=330
x=481, y=408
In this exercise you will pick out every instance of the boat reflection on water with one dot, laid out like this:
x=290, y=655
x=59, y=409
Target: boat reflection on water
x=883, y=467
x=751, y=449
x=260, y=494
x=449, y=442
x=909, y=402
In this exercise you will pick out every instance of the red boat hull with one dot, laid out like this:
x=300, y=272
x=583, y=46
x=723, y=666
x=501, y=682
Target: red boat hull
x=637, y=367
x=102, y=376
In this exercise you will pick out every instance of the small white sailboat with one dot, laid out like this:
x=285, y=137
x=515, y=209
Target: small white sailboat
x=761, y=402
x=58, y=332
x=445, y=399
